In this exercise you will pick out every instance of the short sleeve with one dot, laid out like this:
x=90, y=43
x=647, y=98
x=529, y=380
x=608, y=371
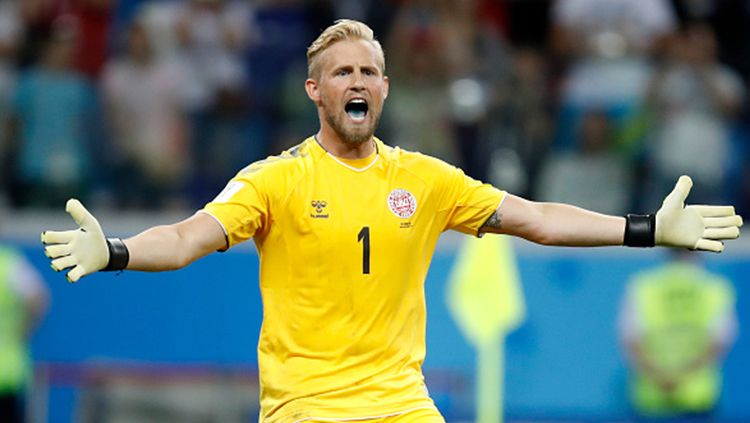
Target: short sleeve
x=242, y=209
x=469, y=202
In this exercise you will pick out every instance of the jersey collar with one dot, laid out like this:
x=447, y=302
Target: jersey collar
x=357, y=165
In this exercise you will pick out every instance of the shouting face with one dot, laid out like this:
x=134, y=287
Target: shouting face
x=350, y=90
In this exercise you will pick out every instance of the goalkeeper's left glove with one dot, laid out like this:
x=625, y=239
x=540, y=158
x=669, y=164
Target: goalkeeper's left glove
x=695, y=227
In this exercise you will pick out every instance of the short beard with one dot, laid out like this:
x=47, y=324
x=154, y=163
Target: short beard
x=350, y=137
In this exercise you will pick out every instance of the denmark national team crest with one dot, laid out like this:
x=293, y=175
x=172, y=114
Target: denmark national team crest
x=402, y=203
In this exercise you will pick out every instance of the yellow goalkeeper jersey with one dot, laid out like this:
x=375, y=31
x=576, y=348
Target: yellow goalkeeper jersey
x=344, y=249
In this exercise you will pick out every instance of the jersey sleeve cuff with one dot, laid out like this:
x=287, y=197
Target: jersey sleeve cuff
x=223, y=228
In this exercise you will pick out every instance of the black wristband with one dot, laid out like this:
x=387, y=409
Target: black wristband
x=640, y=230
x=118, y=255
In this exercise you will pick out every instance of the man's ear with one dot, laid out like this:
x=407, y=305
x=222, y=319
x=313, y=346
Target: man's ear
x=311, y=87
x=386, y=84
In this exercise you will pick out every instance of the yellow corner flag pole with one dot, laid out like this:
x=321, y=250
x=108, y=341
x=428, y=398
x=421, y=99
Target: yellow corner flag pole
x=485, y=298
x=489, y=384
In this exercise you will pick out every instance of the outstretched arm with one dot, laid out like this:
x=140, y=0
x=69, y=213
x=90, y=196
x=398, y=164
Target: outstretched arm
x=555, y=224
x=674, y=225
x=172, y=247
x=86, y=250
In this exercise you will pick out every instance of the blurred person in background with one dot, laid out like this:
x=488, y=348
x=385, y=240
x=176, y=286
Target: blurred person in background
x=694, y=101
x=447, y=50
x=478, y=58
x=11, y=32
x=23, y=302
x=37, y=18
x=213, y=37
x=607, y=48
x=346, y=227
x=677, y=322
x=52, y=116
x=594, y=177
x=93, y=19
x=444, y=50
x=611, y=29
x=519, y=121
x=146, y=101
x=730, y=20
x=417, y=114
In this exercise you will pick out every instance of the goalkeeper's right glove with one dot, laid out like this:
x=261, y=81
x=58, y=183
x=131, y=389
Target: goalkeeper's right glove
x=85, y=249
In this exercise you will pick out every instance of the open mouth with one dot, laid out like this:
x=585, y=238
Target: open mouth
x=356, y=109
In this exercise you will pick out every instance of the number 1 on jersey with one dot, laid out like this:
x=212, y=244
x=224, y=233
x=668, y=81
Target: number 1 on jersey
x=364, y=236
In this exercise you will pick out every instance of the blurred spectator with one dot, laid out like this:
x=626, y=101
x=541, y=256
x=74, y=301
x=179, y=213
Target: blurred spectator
x=160, y=20
x=23, y=302
x=477, y=59
x=37, y=18
x=595, y=177
x=607, y=45
x=52, y=116
x=417, y=111
x=694, y=99
x=611, y=28
x=677, y=322
x=145, y=100
x=522, y=99
x=443, y=50
x=213, y=38
x=730, y=20
x=93, y=19
x=90, y=18
x=284, y=29
x=519, y=122
x=11, y=32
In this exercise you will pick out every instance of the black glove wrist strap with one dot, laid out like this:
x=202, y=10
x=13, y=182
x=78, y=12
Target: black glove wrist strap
x=118, y=255
x=640, y=230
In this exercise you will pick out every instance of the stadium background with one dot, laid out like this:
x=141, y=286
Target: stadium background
x=504, y=89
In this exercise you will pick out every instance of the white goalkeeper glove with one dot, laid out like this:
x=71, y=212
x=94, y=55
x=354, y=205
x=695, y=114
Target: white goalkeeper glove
x=85, y=249
x=695, y=227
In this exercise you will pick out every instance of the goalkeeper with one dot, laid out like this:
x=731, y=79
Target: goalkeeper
x=345, y=226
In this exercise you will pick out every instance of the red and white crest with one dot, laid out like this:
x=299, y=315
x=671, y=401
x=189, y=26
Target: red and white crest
x=402, y=203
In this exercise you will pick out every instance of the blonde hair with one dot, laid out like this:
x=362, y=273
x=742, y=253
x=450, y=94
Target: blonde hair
x=342, y=29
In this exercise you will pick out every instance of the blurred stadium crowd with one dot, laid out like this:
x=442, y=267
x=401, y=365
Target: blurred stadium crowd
x=155, y=104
